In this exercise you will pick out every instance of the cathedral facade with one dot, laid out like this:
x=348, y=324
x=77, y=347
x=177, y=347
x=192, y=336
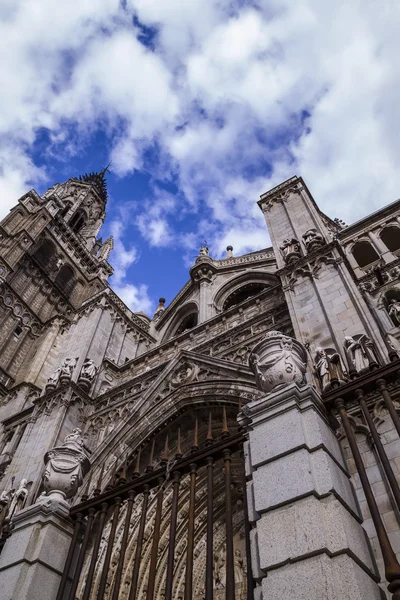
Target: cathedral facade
x=241, y=443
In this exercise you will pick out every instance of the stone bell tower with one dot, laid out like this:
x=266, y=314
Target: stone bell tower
x=50, y=263
x=321, y=292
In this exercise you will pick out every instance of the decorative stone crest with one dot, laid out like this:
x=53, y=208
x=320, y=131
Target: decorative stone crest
x=185, y=372
x=290, y=250
x=329, y=367
x=66, y=467
x=278, y=360
x=87, y=374
x=313, y=240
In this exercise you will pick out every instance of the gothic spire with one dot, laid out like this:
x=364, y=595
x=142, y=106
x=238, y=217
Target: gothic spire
x=98, y=180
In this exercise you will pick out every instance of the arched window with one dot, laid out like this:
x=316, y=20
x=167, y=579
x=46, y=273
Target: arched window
x=390, y=236
x=77, y=221
x=66, y=279
x=45, y=254
x=188, y=322
x=364, y=253
x=243, y=293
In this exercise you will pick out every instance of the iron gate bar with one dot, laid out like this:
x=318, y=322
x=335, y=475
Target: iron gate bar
x=81, y=556
x=379, y=447
x=71, y=553
x=230, y=566
x=210, y=532
x=138, y=485
x=110, y=544
x=139, y=542
x=96, y=546
x=176, y=478
x=392, y=567
x=381, y=383
x=190, y=537
x=156, y=540
x=118, y=575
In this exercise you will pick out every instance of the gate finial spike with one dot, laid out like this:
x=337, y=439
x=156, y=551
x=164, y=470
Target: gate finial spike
x=110, y=483
x=195, y=445
x=164, y=454
x=97, y=491
x=122, y=476
x=178, y=448
x=209, y=439
x=151, y=459
x=136, y=472
x=225, y=430
x=86, y=493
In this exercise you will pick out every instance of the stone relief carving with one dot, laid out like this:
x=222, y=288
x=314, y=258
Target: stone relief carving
x=313, y=239
x=278, y=360
x=393, y=342
x=360, y=353
x=186, y=372
x=290, y=250
x=12, y=501
x=329, y=367
x=66, y=467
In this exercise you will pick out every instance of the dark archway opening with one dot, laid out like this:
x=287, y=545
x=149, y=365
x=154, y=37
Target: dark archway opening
x=390, y=236
x=364, y=253
x=243, y=293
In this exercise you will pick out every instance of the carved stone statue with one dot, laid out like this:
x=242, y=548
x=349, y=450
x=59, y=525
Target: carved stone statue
x=394, y=311
x=329, y=367
x=393, y=343
x=290, y=249
x=278, y=360
x=19, y=498
x=66, y=466
x=67, y=368
x=360, y=353
x=313, y=239
x=53, y=379
x=87, y=374
x=204, y=250
x=106, y=249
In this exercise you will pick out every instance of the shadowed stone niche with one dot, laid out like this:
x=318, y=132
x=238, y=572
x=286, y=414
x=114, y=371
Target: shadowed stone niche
x=306, y=539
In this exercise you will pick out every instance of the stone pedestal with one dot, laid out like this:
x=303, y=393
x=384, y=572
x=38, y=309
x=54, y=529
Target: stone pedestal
x=307, y=539
x=33, y=558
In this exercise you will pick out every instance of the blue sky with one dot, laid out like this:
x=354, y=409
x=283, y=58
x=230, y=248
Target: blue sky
x=201, y=106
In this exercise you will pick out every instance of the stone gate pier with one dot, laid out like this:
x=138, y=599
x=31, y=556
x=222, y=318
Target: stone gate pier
x=306, y=539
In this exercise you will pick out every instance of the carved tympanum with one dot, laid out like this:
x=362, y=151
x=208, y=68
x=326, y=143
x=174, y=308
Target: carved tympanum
x=278, y=360
x=66, y=466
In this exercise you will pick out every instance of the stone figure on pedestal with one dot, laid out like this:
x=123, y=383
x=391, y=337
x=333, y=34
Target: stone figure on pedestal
x=87, y=374
x=19, y=498
x=328, y=364
x=313, y=239
x=360, y=353
x=290, y=249
x=394, y=311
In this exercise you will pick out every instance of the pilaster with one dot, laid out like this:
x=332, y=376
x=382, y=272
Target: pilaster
x=307, y=538
x=33, y=558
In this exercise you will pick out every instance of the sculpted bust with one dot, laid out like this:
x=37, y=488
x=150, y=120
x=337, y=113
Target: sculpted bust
x=313, y=239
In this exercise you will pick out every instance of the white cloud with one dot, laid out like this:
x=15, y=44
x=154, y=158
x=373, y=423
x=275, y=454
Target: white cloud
x=238, y=78
x=136, y=297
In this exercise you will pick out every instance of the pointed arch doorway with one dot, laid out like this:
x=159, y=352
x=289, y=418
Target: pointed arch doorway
x=170, y=521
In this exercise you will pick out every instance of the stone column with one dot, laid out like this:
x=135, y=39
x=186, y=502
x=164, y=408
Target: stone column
x=307, y=539
x=381, y=248
x=33, y=558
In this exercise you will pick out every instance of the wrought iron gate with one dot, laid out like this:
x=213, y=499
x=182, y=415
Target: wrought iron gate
x=94, y=574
